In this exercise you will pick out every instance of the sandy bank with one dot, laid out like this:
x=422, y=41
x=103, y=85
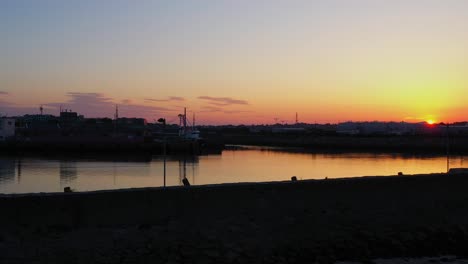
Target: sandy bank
x=283, y=222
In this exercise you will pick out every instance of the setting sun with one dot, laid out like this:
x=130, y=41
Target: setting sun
x=430, y=122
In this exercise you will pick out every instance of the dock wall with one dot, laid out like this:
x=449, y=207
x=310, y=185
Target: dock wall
x=289, y=222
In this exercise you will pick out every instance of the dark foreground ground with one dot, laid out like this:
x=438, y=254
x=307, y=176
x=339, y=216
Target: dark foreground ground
x=314, y=221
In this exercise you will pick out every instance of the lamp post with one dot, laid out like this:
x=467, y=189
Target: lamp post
x=447, y=139
x=164, y=153
x=163, y=121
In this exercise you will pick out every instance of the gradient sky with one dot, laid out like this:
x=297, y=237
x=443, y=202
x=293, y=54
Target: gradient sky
x=239, y=61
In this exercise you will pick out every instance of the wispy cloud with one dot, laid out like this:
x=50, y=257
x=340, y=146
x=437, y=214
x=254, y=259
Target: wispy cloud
x=89, y=105
x=211, y=109
x=169, y=99
x=176, y=98
x=3, y=104
x=11, y=109
x=223, y=101
x=99, y=105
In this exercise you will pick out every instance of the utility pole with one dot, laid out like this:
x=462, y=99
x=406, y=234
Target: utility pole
x=164, y=153
x=448, y=146
x=297, y=119
x=193, y=121
x=116, y=115
x=163, y=121
x=185, y=120
x=116, y=112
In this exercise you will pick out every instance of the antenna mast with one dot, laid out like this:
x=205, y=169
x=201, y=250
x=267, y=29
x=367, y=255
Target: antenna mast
x=185, y=119
x=193, y=123
x=116, y=115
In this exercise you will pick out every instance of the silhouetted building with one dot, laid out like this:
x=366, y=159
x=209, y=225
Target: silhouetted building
x=131, y=126
x=382, y=128
x=34, y=125
x=7, y=170
x=288, y=130
x=457, y=129
x=36, y=118
x=135, y=122
x=7, y=128
x=69, y=116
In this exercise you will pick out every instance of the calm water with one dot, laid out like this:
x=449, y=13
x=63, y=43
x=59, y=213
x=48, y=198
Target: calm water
x=32, y=174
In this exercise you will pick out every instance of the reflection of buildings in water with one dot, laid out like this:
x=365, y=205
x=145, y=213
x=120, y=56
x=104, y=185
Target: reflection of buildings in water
x=19, y=170
x=68, y=172
x=188, y=166
x=7, y=170
x=458, y=161
x=114, y=173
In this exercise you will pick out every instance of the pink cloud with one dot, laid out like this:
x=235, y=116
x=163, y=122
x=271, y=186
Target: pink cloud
x=169, y=99
x=223, y=101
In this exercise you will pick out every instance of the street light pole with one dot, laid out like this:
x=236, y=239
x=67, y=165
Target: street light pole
x=164, y=153
x=163, y=122
x=447, y=146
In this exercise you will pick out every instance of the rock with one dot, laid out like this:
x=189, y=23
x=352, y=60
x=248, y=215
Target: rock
x=186, y=182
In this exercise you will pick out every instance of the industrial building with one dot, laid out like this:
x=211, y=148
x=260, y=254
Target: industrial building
x=7, y=128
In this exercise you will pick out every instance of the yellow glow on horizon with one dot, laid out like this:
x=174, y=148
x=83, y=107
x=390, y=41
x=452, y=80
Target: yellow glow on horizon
x=430, y=122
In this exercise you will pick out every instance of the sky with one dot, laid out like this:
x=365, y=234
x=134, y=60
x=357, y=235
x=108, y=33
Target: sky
x=237, y=62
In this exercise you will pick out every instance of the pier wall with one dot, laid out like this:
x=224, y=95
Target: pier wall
x=422, y=144
x=289, y=222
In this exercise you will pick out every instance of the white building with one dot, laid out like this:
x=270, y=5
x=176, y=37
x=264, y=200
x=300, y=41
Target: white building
x=7, y=128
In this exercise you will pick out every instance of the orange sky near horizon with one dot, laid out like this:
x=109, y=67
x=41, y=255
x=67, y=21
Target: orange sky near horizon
x=238, y=62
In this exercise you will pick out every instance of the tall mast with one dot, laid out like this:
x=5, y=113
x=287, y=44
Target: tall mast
x=116, y=115
x=185, y=119
x=193, y=122
x=116, y=112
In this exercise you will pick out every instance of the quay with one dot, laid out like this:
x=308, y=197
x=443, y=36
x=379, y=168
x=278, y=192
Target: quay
x=316, y=221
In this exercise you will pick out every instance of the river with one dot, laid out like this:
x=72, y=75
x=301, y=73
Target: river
x=29, y=174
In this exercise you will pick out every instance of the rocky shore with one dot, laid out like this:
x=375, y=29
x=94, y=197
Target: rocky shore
x=313, y=221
